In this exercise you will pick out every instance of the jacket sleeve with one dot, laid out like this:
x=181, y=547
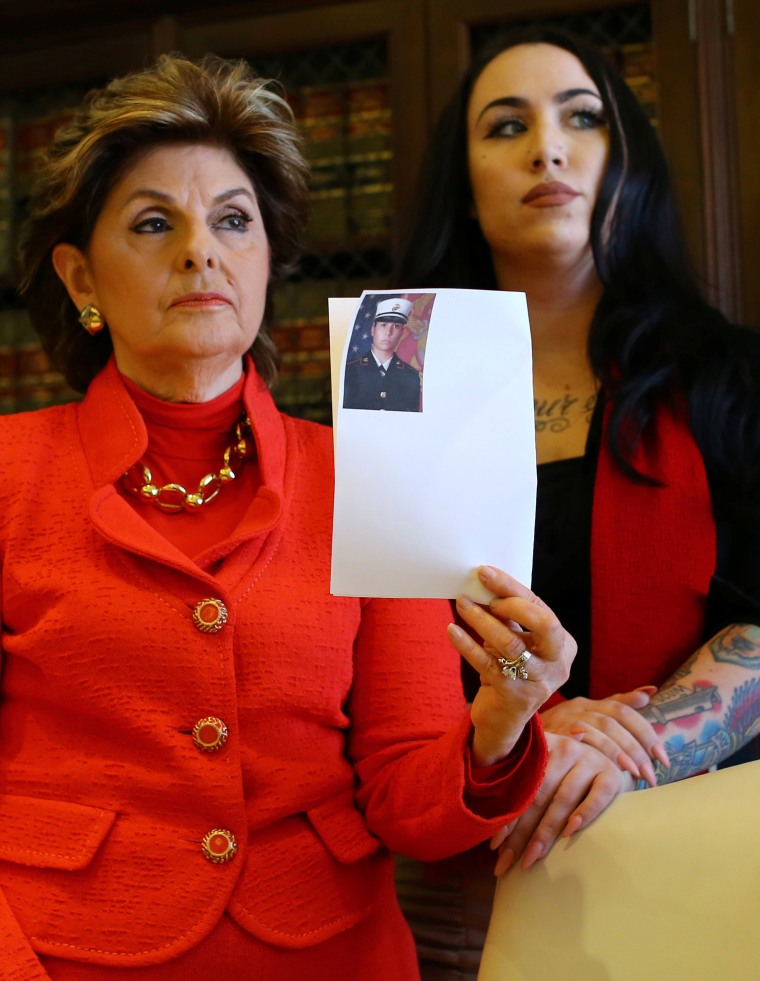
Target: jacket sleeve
x=410, y=733
x=18, y=960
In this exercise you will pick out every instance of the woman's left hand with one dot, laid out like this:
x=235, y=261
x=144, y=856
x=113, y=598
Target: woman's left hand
x=614, y=726
x=579, y=783
x=515, y=623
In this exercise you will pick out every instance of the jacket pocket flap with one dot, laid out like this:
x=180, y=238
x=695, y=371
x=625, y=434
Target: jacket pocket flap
x=51, y=834
x=342, y=828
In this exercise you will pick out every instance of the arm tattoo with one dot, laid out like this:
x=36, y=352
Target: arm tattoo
x=685, y=705
x=716, y=741
x=738, y=644
x=712, y=745
x=744, y=711
x=708, y=734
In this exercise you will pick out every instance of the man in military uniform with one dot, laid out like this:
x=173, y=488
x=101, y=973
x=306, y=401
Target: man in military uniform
x=379, y=379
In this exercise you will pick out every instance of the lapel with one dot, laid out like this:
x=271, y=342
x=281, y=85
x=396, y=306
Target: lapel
x=652, y=558
x=111, y=447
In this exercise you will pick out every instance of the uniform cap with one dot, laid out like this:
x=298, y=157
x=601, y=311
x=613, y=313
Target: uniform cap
x=394, y=310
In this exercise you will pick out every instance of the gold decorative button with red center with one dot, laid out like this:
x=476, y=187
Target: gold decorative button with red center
x=219, y=846
x=210, y=615
x=210, y=734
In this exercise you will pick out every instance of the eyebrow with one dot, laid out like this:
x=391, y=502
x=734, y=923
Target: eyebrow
x=518, y=102
x=147, y=192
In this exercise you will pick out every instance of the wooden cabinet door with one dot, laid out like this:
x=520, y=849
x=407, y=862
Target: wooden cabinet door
x=744, y=29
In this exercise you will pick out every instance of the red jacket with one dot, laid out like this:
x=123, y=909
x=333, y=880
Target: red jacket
x=346, y=719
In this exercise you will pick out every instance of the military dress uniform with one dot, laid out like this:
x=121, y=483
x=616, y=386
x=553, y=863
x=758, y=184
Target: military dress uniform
x=369, y=386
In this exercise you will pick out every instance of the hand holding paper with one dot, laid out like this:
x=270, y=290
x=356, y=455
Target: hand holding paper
x=519, y=666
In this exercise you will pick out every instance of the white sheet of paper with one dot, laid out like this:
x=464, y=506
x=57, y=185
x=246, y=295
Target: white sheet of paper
x=424, y=497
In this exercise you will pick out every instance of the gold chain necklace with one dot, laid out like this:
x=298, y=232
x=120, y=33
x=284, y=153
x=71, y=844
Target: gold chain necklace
x=138, y=480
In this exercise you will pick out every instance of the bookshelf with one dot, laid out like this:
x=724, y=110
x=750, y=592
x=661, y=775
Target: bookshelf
x=27, y=379
x=340, y=95
x=366, y=79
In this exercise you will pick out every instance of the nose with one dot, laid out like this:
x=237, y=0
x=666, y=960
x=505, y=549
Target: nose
x=542, y=159
x=198, y=250
x=547, y=150
x=191, y=262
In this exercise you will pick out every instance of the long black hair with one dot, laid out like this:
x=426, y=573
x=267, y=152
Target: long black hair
x=652, y=334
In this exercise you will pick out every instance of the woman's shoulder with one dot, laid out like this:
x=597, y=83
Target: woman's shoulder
x=736, y=341
x=307, y=429
x=725, y=361
x=43, y=424
x=32, y=444
x=724, y=401
x=315, y=438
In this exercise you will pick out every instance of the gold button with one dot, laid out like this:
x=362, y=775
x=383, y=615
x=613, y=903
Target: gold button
x=210, y=734
x=219, y=846
x=210, y=615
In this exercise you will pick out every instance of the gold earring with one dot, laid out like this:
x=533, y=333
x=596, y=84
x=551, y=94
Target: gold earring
x=91, y=319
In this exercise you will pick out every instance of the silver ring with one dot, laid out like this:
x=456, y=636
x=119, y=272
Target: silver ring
x=516, y=668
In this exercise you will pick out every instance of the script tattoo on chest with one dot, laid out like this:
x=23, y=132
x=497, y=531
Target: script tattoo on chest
x=557, y=415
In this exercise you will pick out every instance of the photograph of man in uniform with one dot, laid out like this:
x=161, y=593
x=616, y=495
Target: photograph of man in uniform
x=379, y=378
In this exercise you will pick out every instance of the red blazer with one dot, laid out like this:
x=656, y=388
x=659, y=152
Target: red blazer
x=346, y=719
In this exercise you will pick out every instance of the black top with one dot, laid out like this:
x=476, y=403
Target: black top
x=562, y=550
x=561, y=554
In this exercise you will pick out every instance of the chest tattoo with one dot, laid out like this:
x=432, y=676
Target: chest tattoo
x=555, y=415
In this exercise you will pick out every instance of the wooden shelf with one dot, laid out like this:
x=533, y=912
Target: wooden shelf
x=706, y=83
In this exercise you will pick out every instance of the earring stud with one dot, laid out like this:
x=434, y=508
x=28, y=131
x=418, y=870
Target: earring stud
x=91, y=319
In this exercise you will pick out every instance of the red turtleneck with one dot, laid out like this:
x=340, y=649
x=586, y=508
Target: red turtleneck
x=186, y=441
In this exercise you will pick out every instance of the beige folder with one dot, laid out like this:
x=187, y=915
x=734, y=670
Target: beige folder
x=664, y=886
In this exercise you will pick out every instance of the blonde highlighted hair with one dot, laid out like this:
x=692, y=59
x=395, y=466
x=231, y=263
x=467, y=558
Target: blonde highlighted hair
x=213, y=102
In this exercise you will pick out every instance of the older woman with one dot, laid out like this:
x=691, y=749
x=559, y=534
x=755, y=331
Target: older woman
x=205, y=756
x=545, y=176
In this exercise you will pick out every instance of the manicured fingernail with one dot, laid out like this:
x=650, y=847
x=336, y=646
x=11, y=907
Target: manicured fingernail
x=647, y=772
x=574, y=824
x=504, y=862
x=501, y=836
x=464, y=603
x=649, y=689
x=625, y=762
x=486, y=573
x=660, y=753
x=533, y=852
x=455, y=632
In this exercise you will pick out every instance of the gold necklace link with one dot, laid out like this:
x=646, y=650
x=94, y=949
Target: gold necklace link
x=172, y=498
